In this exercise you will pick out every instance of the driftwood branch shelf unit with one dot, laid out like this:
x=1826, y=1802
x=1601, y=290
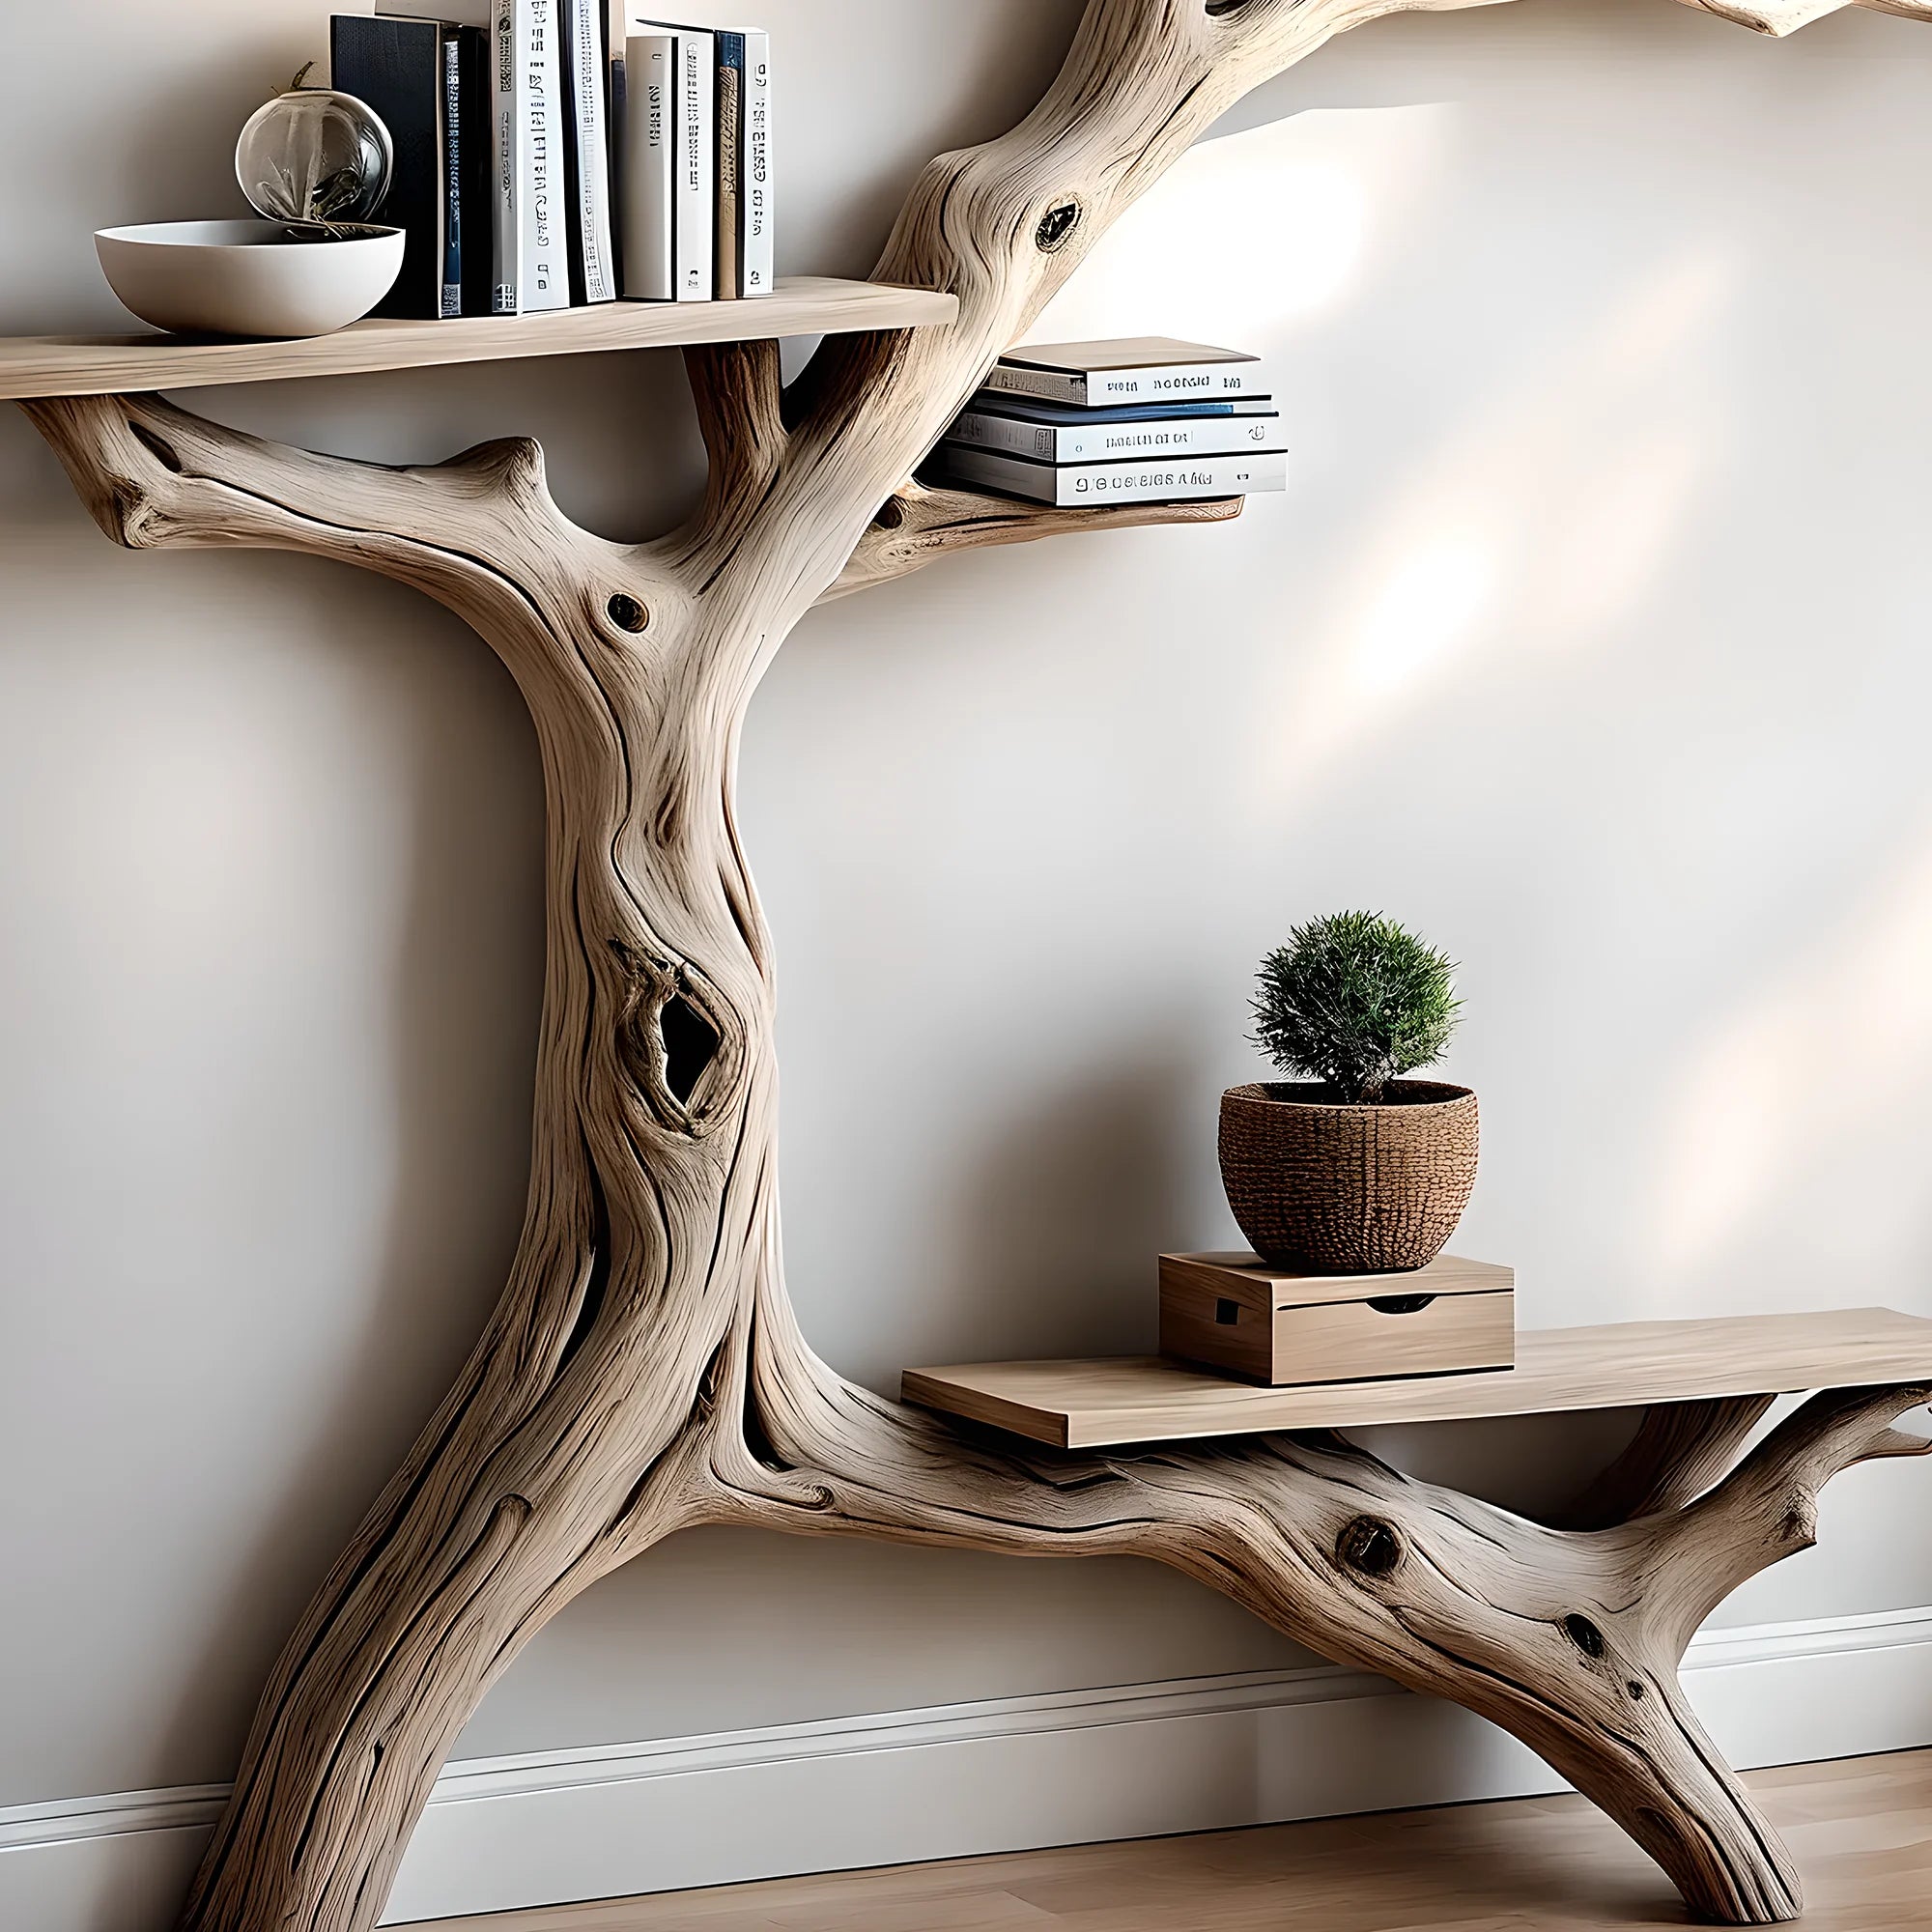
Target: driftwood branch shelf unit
x=644, y=1372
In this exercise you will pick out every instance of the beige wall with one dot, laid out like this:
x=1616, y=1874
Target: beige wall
x=1591, y=637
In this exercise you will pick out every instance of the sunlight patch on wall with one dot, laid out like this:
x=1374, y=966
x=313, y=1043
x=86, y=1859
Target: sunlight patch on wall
x=1816, y=1074
x=1428, y=602
x=1536, y=526
x=1252, y=231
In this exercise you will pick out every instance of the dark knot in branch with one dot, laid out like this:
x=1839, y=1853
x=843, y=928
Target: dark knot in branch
x=1370, y=1546
x=1055, y=225
x=627, y=613
x=1585, y=1634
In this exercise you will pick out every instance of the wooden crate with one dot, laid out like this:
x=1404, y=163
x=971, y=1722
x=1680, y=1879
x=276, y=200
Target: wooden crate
x=1233, y=1313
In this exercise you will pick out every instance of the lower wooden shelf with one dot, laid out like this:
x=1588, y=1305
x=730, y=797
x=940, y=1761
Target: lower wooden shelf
x=1089, y=1405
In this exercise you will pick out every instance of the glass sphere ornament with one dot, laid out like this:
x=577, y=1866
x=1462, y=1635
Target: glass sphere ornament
x=315, y=156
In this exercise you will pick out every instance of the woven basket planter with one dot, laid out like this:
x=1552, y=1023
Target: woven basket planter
x=1329, y=1189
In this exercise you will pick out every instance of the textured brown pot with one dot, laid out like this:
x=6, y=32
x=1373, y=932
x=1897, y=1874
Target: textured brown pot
x=1330, y=1189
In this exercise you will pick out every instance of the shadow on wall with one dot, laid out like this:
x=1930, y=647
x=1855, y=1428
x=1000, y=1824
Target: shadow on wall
x=275, y=848
x=1055, y=1194
x=457, y=1116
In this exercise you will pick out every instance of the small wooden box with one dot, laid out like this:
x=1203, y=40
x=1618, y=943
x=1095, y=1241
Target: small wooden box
x=1233, y=1313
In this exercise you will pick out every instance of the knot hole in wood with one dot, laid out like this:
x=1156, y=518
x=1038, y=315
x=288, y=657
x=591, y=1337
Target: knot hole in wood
x=1585, y=1634
x=1370, y=1546
x=627, y=613
x=1055, y=225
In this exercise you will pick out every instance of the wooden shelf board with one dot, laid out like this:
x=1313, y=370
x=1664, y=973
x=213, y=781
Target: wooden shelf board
x=106, y=365
x=1088, y=1404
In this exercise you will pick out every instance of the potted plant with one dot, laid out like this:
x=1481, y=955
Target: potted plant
x=1350, y=1169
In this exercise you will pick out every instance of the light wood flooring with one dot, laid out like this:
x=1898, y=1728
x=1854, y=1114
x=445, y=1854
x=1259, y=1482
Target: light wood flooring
x=1861, y=1829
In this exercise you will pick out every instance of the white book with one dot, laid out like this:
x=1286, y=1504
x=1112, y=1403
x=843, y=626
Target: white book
x=756, y=262
x=695, y=180
x=646, y=184
x=544, y=281
x=1068, y=485
x=1100, y=375
x=508, y=122
x=1255, y=431
x=592, y=266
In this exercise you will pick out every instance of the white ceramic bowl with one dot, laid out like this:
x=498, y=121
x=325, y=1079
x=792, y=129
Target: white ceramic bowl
x=247, y=277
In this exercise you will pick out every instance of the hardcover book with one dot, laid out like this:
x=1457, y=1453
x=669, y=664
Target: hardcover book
x=756, y=259
x=396, y=66
x=694, y=178
x=1158, y=481
x=730, y=98
x=587, y=152
x=1090, y=375
x=1103, y=435
x=1037, y=409
x=544, y=280
x=496, y=162
x=648, y=187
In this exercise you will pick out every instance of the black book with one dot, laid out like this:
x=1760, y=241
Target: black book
x=413, y=73
x=469, y=184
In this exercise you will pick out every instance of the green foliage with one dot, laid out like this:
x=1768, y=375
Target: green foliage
x=1353, y=1001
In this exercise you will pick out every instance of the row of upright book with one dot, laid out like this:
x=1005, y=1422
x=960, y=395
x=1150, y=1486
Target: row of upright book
x=550, y=153
x=1147, y=419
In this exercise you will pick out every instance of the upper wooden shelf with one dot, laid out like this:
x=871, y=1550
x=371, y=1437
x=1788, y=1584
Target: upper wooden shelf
x=1147, y=1398
x=107, y=365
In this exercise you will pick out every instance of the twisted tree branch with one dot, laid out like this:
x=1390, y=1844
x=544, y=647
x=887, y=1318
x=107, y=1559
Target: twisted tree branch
x=1680, y=1449
x=480, y=534
x=1569, y=1639
x=1778, y=17
x=920, y=524
x=1766, y=1508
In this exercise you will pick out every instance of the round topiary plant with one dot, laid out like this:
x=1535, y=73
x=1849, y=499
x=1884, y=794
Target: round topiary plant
x=1353, y=1001
x=1353, y=1170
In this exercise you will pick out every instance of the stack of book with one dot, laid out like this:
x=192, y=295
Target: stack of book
x=549, y=153
x=1144, y=420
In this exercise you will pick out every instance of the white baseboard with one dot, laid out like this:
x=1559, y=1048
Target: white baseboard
x=1192, y=1754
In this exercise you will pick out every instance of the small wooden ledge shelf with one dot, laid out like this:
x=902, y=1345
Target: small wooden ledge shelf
x=1113, y=1400
x=119, y=365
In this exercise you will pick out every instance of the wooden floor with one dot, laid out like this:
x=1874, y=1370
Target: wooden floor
x=1861, y=1829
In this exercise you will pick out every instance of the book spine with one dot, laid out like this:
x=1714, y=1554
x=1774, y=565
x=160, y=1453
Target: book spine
x=1052, y=384
x=1116, y=443
x=725, y=211
x=508, y=141
x=545, y=267
x=452, y=173
x=1172, y=383
x=1108, y=388
x=588, y=152
x=475, y=200
x=1068, y=485
x=756, y=269
x=650, y=166
x=696, y=164
x=613, y=143
x=395, y=65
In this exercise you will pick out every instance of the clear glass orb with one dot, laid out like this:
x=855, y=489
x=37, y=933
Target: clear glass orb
x=314, y=155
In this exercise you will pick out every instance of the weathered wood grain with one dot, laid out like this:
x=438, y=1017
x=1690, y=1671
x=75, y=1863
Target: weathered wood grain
x=643, y=1371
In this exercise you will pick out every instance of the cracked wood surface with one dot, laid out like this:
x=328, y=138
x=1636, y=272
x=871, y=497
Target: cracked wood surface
x=643, y=1371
